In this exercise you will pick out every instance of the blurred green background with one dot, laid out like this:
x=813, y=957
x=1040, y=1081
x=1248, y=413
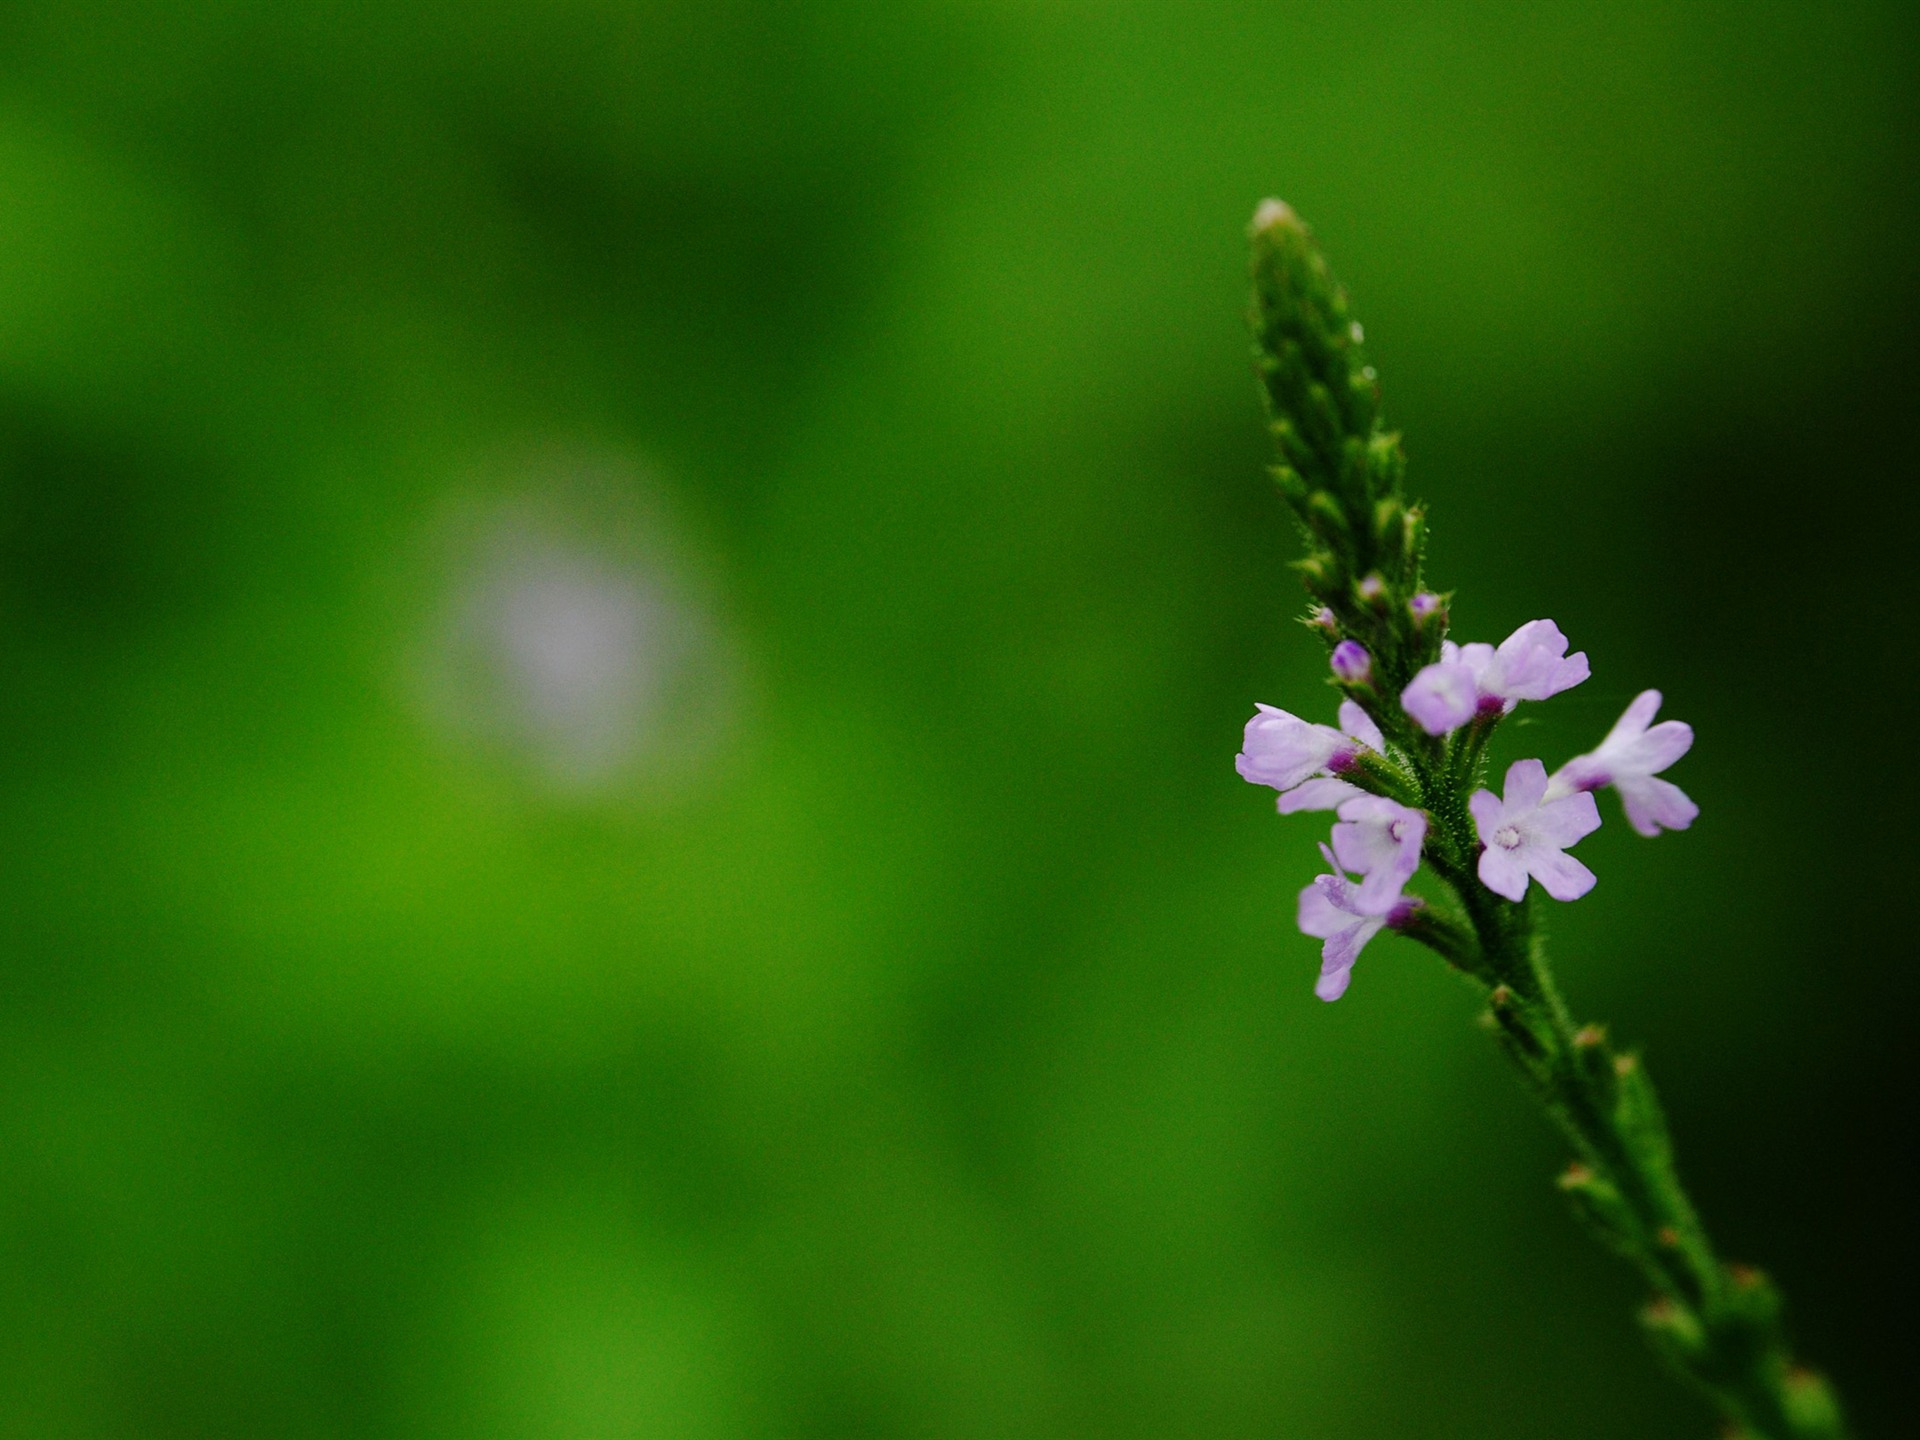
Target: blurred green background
x=622, y=634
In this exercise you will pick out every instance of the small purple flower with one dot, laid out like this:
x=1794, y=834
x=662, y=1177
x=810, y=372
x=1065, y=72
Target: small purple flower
x=1280, y=749
x=1371, y=590
x=1302, y=760
x=1634, y=752
x=1380, y=840
x=1444, y=695
x=1423, y=607
x=1526, y=834
x=1351, y=663
x=1335, y=910
x=1325, y=621
x=1531, y=664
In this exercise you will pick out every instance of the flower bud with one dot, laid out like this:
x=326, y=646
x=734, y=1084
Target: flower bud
x=1811, y=1403
x=1426, y=607
x=1389, y=521
x=1351, y=663
x=1270, y=214
x=1675, y=1330
x=1372, y=592
x=1319, y=570
x=1327, y=519
x=1598, y=1205
x=1325, y=621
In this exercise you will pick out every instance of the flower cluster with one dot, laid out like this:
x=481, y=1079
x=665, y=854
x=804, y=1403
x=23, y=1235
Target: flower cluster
x=1385, y=795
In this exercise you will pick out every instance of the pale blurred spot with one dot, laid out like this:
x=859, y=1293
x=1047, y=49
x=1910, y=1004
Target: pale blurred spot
x=572, y=643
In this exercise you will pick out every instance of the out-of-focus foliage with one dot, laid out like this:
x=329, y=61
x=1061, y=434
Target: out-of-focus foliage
x=622, y=629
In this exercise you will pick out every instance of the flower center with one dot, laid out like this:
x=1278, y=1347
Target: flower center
x=1507, y=837
x=1397, y=830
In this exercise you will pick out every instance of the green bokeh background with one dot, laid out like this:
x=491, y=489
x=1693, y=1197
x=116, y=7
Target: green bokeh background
x=926, y=1051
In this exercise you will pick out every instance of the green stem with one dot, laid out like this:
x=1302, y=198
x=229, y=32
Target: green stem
x=1719, y=1326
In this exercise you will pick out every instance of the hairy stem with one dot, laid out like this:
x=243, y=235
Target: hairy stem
x=1718, y=1325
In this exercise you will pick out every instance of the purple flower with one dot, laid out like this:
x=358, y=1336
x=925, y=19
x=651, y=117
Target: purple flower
x=1351, y=663
x=1423, y=606
x=1526, y=834
x=1337, y=911
x=1302, y=760
x=1325, y=621
x=1380, y=840
x=1444, y=695
x=1531, y=664
x=1634, y=752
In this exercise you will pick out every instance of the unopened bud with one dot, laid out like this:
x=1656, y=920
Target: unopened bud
x=1811, y=1403
x=1389, y=522
x=1318, y=569
x=1270, y=213
x=1752, y=1296
x=1674, y=1328
x=1325, y=621
x=1425, y=607
x=1351, y=663
x=1326, y=517
x=1372, y=592
x=1588, y=1036
x=1413, y=536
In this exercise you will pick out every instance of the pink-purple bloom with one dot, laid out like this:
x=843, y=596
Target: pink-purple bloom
x=1303, y=760
x=1468, y=680
x=1335, y=910
x=1351, y=663
x=1633, y=754
x=1526, y=834
x=1380, y=840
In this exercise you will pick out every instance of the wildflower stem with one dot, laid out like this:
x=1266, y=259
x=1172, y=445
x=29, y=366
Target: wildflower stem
x=1717, y=1325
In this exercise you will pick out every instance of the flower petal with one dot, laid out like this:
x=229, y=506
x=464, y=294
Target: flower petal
x=1559, y=874
x=1583, y=772
x=1476, y=657
x=1487, y=812
x=1502, y=872
x=1381, y=840
x=1533, y=664
x=1281, y=750
x=1333, y=980
x=1357, y=723
x=1634, y=721
x=1526, y=785
x=1561, y=823
x=1365, y=845
x=1320, y=917
x=1325, y=793
x=1441, y=698
x=1653, y=804
x=1658, y=748
x=1343, y=948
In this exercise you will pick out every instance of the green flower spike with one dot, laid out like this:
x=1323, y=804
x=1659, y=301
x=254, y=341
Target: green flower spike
x=1404, y=770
